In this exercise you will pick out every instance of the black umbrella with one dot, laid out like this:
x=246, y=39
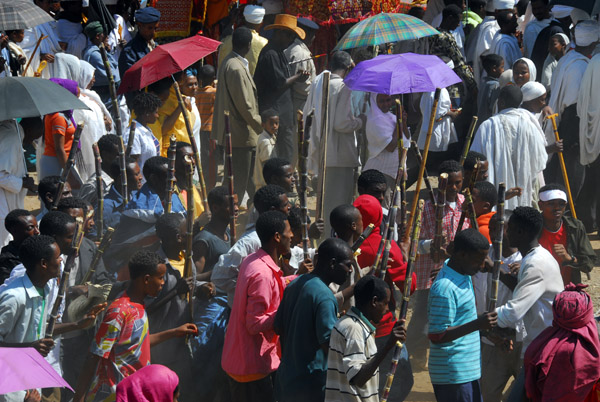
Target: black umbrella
x=21, y=14
x=30, y=97
x=591, y=7
x=97, y=11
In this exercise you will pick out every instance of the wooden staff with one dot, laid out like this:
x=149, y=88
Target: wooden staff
x=563, y=168
x=405, y=299
x=470, y=212
x=171, y=155
x=190, y=268
x=229, y=163
x=123, y=168
x=388, y=242
x=64, y=279
x=99, y=193
x=497, y=242
x=131, y=138
x=413, y=208
x=68, y=166
x=324, y=136
x=104, y=244
x=468, y=190
x=363, y=236
x=303, y=143
x=474, y=174
x=188, y=127
x=468, y=140
x=37, y=45
x=439, y=218
x=113, y=90
x=415, y=148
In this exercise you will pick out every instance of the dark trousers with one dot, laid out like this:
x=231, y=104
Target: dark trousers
x=208, y=157
x=242, y=172
x=467, y=392
x=284, y=146
x=587, y=205
x=253, y=391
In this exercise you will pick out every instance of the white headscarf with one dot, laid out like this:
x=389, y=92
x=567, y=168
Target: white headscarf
x=530, y=66
x=532, y=90
x=588, y=109
x=86, y=73
x=66, y=66
x=380, y=128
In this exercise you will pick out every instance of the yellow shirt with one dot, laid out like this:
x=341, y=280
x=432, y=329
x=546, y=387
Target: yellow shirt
x=198, y=205
x=179, y=129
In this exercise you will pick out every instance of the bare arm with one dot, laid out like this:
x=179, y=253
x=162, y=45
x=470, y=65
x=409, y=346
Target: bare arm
x=484, y=321
x=179, y=332
x=59, y=147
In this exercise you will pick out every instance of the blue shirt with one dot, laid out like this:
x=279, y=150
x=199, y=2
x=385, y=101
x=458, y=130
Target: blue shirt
x=147, y=199
x=112, y=213
x=451, y=304
x=133, y=51
x=304, y=320
x=92, y=55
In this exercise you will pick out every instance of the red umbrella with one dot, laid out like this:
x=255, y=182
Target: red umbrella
x=165, y=60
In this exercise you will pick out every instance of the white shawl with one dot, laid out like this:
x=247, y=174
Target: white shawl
x=72, y=34
x=444, y=132
x=506, y=46
x=314, y=100
x=480, y=44
x=588, y=110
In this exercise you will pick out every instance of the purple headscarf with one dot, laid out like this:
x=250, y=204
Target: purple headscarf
x=70, y=86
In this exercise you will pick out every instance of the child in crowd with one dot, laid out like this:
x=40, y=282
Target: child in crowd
x=145, y=145
x=205, y=101
x=485, y=198
x=265, y=146
x=490, y=86
x=18, y=58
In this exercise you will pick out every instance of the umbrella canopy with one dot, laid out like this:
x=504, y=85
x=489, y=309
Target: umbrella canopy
x=165, y=60
x=401, y=74
x=385, y=28
x=30, y=97
x=25, y=368
x=591, y=7
x=21, y=14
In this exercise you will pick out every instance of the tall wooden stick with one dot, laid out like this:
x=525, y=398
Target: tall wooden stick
x=189, y=267
x=68, y=166
x=99, y=193
x=104, y=244
x=123, y=168
x=468, y=140
x=563, y=168
x=37, y=45
x=388, y=241
x=323, y=141
x=131, y=138
x=229, y=162
x=497, y=242
x=172, y=156
x=428, y=185
x=303, y=143
x=437, y=254
x=113, y=90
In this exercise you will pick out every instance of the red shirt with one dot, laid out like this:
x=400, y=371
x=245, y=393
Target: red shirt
x=548, y=239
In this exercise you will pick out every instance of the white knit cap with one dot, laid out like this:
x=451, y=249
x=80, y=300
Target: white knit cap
x=578, y=14
x=504, y=4
x=560, y=11
x=254, y=14
x=532, y=90
x=586, y=33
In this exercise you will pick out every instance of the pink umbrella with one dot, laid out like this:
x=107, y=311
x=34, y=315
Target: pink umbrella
x=25, y=368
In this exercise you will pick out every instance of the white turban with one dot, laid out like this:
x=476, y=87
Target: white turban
x=586, y=33
x=504, y=4
x=532, y=90
x=254, y=14
x=560, y=11
x=578, y=14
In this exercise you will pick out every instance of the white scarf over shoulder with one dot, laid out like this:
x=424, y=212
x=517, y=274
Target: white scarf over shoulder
x=588, y=110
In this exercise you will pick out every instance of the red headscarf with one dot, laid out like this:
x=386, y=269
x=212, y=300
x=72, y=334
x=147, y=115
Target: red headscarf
x=149, y=384
x=563, y=362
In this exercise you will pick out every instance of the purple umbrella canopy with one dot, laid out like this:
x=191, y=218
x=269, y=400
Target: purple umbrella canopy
x=401, y=74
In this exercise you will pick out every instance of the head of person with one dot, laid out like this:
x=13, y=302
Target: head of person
x=61, y=227
x=171, y=230
x=534, y=96
x=271, y=198
x=455, y=178
x=146, y=105
x=33, y=128
x=147, y=20
x=295, y=220
x=155, y=382
x=285, y=30
x=522, y=74
x=341, y=63
x=510, y=97
x=370, y=210
x=558, y=45
x=451, y=17
x=503, y=6
x=417, y=12
x=133, y=171
x=147, y=272
x=478, y=7
x=207, y=75
x=73, y=206
x=48, y=187
x=384, y=102
x=493, y=65
x=372, y=182
x=334, y=261
x=156, y=172
x=41, y=257
x=347, y=222
x=507, y=20
x=49, y=6
x=468, y=252
x=524, y=227
x=21, y=224
x=108, y=145
x=94, y=32
x=183, y=150
x=310, y=29
x=161, y=88
x=16, y=35
x=253, y=16
x=552, y=203
x=188, y=83
x=275, y=232
x=586, y=37
x=89, y=223
x=280, y=172
x=270, y=121
x=372, y=297
x=241, y=40
x=469, y=166
x=485, y=197
x=219, y=204
x=540, y=9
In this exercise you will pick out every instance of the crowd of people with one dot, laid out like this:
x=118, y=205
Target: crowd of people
x=133, y=284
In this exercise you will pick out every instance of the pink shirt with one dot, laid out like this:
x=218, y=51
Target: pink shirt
x=251, y=345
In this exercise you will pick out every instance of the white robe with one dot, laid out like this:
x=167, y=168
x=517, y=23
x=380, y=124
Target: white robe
x=566, y=80
x=531, y=33
x=72, y=34
x=506, y=46
x=588, y=110
x=49, y=45
x=12, y=171
x=444, y=132
x=515, y=151
x=480, y=42
x=114, y=37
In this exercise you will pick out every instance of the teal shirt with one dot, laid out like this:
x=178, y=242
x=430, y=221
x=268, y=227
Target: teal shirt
x=304, y=321
x=451, y=304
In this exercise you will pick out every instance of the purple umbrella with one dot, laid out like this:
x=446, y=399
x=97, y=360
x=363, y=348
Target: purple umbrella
x=401, y=74
x=25, y=368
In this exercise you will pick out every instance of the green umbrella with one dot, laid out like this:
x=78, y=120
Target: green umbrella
x=30, y=97
x=385, y=28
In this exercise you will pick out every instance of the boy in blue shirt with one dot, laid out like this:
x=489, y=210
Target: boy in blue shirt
x=455, y=355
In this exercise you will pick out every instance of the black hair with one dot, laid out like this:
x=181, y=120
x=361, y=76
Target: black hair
x=160, y=86
x=34, y=249
x=109, y=143
x=451, y=10
x=547, y=187
x=529, y=220
x=182, y=144
x=268, y=224
x=450, y=166
x=145, y=102
x=218, y=196
x=342, y=217
x=114, y=170
x=13, y=218
x=168, y=225
x=241, y=37
x=370, y=177
x=268, y=197
x=340, y=60
x=274, y=167
x=267, y=114
x=332, y=248
x=295, y=218
x=9, y=32
x=503, y=18
x=521, y=61
x=367, y=288
x=154, y=166
x=71, y=203
x=207, y=72
x=55, y=223
x=475, y=5
x=490, y=61
x=470, y=240
x=416, y=12
x=143, y=263
x=487, y=192
x=48, y=184
x=471, y=159
x=510, y=96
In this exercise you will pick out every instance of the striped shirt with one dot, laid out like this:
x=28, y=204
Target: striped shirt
x=451, y=304
x=205, y=102
x=351, y=345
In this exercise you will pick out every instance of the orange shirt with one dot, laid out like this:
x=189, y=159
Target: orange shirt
x=57, y=123
x=483, y=222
